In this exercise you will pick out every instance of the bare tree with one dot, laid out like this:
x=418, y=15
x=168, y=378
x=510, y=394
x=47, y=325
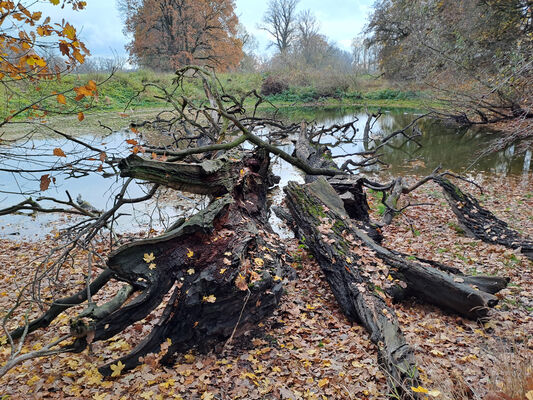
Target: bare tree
x=280, y=22
x=308, y=28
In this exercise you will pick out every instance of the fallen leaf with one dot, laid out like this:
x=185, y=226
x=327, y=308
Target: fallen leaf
x=148, y=258
x=117, y=368
x=209, y=299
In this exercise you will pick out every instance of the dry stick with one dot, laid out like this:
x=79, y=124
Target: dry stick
x=63, y=304
x=239, y=319
x=44, y=352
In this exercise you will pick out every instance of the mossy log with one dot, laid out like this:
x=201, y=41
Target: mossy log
x=480, y=223
x=324, y=227
x=359, y=272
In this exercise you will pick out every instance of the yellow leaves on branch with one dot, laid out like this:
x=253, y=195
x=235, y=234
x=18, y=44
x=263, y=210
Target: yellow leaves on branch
x=88, y=90
x=23, y=47
x=69, y=31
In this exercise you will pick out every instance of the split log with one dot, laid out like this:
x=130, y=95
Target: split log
x=480, y=223
x=321, y=223
x=353, y=264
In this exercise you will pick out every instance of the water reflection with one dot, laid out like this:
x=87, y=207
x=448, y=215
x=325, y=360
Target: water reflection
x=454, y=149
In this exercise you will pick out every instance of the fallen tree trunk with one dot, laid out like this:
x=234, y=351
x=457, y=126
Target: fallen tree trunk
x=222, y=264
x=320, y=218
x=444, y=288
x=479, y=222
x=221, y=267
x=353, y=265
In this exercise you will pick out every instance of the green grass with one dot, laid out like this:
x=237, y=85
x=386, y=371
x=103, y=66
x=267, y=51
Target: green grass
x=136, y=90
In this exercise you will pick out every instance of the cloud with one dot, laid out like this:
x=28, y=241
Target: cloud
x=99, y=26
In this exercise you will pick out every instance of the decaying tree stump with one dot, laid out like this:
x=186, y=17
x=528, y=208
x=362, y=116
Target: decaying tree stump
x=223, y=262
x=221, y=267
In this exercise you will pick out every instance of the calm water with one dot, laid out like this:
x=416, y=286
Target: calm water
x=451, y=147
x=454, y=149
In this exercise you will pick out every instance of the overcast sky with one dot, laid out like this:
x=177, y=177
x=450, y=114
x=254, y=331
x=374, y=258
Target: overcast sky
x=101, y=26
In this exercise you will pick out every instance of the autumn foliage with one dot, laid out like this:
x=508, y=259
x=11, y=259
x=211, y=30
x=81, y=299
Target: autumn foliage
x=22, y=35
x=168, y=34
x=27, y=39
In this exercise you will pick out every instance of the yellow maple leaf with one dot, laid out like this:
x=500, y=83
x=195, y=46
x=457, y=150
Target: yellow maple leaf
x=259, y=262
x=117, y=369
x=529, y=395
x=190, y=253
x=323, y=382
x=99, y=396
x=190, y=271
x=207, y=396
x=147, y=395
x=148, y=258
x=189, y=358
x=61, y=99
x=151, y=266
x=222, y=270
x=209, y=299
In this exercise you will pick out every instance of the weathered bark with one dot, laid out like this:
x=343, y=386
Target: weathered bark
x=202, y=259
x=315, y=157
x=351, y=263
x=349, y=188
x=314, y=206
x=480, y=223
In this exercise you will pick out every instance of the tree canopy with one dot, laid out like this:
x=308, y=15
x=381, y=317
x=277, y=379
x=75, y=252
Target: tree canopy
x=168, y=34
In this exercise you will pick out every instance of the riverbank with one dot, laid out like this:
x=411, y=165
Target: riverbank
x=141, y=93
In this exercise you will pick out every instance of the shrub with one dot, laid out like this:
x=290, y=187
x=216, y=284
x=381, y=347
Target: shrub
x=272, y=85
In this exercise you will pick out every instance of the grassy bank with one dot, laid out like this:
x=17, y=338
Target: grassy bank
x=129, y=91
